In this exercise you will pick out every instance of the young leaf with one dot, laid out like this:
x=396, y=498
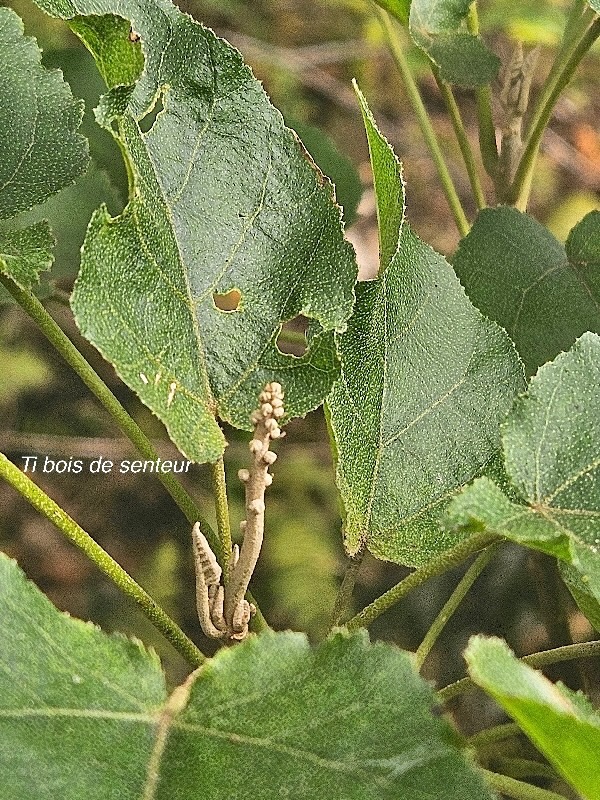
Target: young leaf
x=425, y=383
x=552, y=446
x=543, y=293
x=223, y=199
x=439, y=28
x=560, y=723
x=83, y=714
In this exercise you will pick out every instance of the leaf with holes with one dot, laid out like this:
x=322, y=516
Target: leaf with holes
x=560, y=723
x=40, y=149
x=439, y=27
x=426, y=381
x=223, y=198
x=543, y=293
x=83, y=714
x=552, y=451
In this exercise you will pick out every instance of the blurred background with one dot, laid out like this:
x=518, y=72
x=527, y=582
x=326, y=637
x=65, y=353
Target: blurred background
x=306, y=52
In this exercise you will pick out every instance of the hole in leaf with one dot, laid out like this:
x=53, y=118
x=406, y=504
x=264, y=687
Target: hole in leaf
x=149, y=119
x=230, y=301
x=292, y=336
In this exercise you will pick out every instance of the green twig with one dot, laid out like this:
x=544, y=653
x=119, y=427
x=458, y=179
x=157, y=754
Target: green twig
x=461, y=137
x=537, y=660
x=46, y=506
x=555, y=84
x=492, y=735
x=344, y=595
x=518, y=789
x=32, y=306
x=468, y=579
x=524, y=768
x=485, y=117
x=438, y=565
x=420, y=111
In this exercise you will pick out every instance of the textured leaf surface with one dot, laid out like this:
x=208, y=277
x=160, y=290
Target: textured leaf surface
x=543, y=293
x=552, y=451
x=25, y=253
x=559, y=722
x=40, y=149
x=225, y=198
x=83, y=714
x=425, y=383
x=439, y=28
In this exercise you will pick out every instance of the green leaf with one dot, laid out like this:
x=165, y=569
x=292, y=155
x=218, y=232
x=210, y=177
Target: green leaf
x=439, y=28
x=587, y=603
x=425, y=383
x=560, y=723
x=223, y=198
x=543, y=293
x=40, y=149
x=552, y=446
x=398, y=8
x=69, y=214
x=83, y=714
x=25, y=253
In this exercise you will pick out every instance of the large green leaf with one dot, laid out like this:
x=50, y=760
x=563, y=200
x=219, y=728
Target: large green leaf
x=561, y=723
x=439, y=28
x=426, y=381
x=552, y=449
x=40, y=149
x=543, y=293
x=223, y=198
x=85, y=715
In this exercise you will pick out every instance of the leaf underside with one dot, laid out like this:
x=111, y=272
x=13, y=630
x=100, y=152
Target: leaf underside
x=560, y=723
x=83, y=714
x=224, y=198
x=425, y=382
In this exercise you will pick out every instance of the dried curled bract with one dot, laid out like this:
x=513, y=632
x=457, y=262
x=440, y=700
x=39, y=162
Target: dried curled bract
x=223, y=610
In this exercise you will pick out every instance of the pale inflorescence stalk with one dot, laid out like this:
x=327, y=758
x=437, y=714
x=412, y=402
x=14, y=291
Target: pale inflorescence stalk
x=223, y=611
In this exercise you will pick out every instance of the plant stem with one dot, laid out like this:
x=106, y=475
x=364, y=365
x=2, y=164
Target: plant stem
x=461, y=137
x=420, y=111
x=536, y=660
x=468, y=579
x=222, y=509
x=485, y=117
x=525, y=768
x=518, y=789
x=585, y=35
x=46, y=506
x=437, y=565
x=32, y=306
x=493, y=735
x=344, y=595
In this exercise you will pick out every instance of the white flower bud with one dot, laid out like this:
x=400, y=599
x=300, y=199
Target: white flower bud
x=244, y=475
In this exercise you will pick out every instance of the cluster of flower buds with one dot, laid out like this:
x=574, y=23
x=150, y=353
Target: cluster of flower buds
x=223, y=610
